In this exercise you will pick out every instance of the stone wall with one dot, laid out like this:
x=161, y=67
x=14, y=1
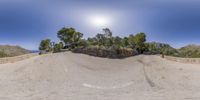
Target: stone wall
x=16, y=58
x=184, y=60
x=106, y=53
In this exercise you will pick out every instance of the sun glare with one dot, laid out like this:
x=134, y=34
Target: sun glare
x=99, y=21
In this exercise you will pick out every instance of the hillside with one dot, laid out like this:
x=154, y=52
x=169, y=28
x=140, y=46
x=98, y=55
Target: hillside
x=158, y=48
x=69, y=76
x=9, y=51
x=190, y=51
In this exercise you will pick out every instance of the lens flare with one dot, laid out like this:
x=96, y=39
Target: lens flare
x=99, y=21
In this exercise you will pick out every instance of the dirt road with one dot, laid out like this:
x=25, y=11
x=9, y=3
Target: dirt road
x=68, y=76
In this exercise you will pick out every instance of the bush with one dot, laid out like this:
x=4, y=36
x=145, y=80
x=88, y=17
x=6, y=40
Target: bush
x=58, y=47
x=3, y=54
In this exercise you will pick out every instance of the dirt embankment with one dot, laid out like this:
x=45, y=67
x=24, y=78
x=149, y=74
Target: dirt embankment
x=183, y=60
x=16, y=58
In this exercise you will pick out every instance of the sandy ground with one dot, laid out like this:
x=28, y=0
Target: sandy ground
x=68, y=76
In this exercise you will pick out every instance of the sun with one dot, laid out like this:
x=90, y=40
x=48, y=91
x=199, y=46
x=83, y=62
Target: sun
x=99, y=21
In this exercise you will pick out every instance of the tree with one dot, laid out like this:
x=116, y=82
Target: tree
x=69, y=35
x=153, y=48
x=107, y=32
x=131, y=41
x=77, y=36
x=92, y=41
x=105, y=39
x=100, y=39
x=125, y=42
x=117, y=41
x=108, y=42
x=58, y=47
x=139, y=40
x=45, y=45
x=83, y=43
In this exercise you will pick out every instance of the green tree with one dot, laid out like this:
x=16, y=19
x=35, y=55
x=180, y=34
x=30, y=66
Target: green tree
x=125, y=42
x=139, y=40
x=107, y=32
x=92, y=41
x=152, y=48
x=117, y=41
x=100, y=39
x=58, y=47
x=45, y=45
x=131, y=41
x=83, y=43
x=108, y=42
x=77, y=36
x=69, y=35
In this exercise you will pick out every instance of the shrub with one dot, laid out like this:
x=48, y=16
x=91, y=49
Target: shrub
x=3, y=54
x=58, y=47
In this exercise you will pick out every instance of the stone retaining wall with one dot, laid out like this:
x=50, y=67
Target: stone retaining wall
x=16, y=58
x=184, y=60
x=106, y=53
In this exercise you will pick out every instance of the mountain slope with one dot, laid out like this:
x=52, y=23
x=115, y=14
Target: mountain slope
x=7, y=50
x=190, y=51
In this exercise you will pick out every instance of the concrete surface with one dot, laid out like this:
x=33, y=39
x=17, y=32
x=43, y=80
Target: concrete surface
x=68, y=76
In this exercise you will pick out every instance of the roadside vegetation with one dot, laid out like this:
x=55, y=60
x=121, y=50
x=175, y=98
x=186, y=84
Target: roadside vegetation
x=190, y=51
x=106, y=45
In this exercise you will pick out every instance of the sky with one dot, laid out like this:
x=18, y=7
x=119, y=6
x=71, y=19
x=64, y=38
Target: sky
x=27, y=22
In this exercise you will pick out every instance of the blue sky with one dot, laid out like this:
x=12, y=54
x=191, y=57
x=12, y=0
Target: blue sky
x=27, y=22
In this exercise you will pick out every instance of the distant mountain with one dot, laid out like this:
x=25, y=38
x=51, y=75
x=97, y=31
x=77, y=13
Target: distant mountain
x=159, y=45
x=191, y=47
x=190, y=51
x=8, y=50
x=161, y=48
